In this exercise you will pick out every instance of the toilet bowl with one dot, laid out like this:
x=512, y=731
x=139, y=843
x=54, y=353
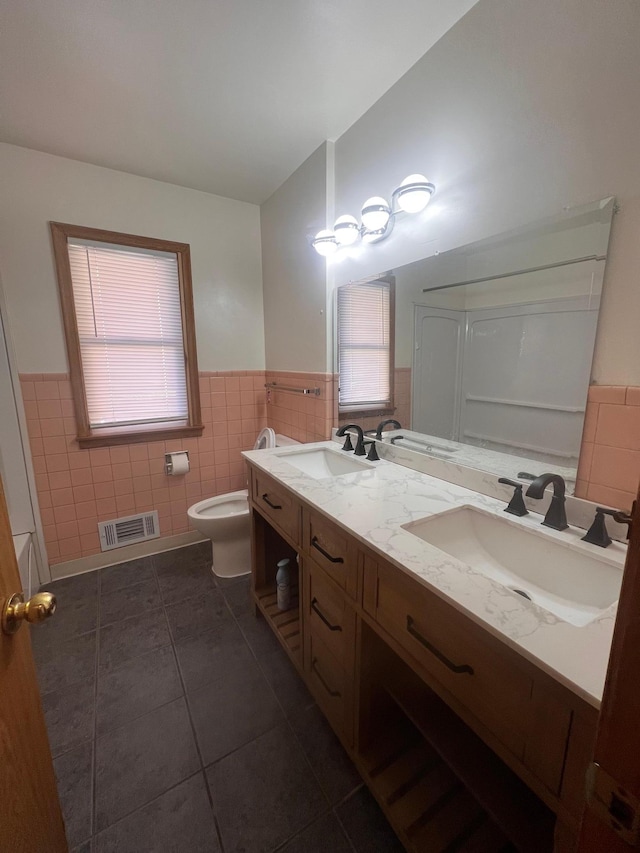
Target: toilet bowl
x=225, y=520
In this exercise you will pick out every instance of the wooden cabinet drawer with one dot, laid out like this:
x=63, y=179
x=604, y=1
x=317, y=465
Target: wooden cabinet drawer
x=275, y=502
x=491, y=688
x=520, y=712
x=328, y=614
x=332, y=549
x=331, y=686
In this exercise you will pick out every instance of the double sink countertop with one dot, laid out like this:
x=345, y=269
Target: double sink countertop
x=373, y=503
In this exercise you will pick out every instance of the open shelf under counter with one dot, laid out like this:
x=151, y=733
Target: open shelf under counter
x=425, y=799
x=521, y=816
x=442, y=788
x=286, y=623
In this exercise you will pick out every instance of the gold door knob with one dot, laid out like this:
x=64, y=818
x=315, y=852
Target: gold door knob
x=16, y=610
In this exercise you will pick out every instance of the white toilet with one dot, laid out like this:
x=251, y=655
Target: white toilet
x=225, y=520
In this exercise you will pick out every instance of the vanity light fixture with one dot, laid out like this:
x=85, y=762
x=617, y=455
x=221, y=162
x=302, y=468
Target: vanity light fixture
x=377, y=216
x=374, y=235
x=346, y=230
x=325, y=243
x=413, y=194
x=375, y=213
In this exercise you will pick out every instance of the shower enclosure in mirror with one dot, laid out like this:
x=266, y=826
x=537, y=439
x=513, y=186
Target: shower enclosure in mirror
x=494, y=343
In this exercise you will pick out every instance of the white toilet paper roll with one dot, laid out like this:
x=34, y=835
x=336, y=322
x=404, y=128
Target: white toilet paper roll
x=177, y=463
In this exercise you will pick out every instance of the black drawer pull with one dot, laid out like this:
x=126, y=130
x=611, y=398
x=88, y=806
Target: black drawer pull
x=314, y=543
x=314, y=606
x=265, y=498
x=314, y=667
x=445, y=660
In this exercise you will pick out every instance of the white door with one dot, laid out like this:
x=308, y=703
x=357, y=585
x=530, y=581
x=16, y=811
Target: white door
x=14, y=472
x=437, y=368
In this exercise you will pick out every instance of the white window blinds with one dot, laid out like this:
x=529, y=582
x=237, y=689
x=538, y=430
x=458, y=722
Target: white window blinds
x=364, y=345
x=128, y=311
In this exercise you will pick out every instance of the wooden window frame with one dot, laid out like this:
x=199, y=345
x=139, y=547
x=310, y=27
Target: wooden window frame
x=358, y=410
x=87, y=438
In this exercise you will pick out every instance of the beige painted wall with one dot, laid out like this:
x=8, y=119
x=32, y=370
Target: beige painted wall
x=225, y=253
x=518, y=111
x=294, y=275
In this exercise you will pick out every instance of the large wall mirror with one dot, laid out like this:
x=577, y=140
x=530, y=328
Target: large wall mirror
x=494, y=343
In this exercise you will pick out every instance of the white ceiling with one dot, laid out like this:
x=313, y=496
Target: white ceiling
x=227, y=96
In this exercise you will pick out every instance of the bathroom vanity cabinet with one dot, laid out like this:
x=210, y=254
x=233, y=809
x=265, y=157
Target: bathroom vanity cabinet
x=464, y=743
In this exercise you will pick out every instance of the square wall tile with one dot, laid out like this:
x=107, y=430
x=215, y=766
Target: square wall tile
x=616, y=468
x=619, y=426
x=607, y=393
x=633, y=396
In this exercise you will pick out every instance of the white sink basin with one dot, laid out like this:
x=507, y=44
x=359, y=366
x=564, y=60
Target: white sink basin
x=573, y=585
x=321, y=463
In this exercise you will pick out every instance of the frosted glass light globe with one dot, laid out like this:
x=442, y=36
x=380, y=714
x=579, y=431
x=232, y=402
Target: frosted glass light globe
x=325, y=243
x=375, y=213
x=346, y=230
x=414, y=193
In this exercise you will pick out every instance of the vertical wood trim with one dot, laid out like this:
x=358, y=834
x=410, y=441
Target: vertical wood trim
x=59, y=235
x=392, y=340
x=189, y=335
x=618, y=738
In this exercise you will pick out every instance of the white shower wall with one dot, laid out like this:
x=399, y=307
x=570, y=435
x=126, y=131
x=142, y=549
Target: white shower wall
x=501, y=359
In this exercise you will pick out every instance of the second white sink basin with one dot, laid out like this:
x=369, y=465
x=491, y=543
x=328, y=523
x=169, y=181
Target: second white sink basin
x=573, y=585
x=321, y=463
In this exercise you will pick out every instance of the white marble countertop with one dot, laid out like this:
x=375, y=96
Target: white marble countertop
x=372, y=504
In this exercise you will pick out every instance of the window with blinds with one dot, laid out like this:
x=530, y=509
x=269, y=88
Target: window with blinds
x=128, y=318
x=365, y=346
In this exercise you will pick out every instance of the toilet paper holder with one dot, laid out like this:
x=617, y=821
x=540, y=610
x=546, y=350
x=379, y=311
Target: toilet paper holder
x=172, y=460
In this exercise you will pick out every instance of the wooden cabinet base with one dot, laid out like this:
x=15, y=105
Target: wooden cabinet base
x=465, y=745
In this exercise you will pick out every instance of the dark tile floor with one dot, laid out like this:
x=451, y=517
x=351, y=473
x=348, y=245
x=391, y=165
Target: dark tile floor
x=177, y=723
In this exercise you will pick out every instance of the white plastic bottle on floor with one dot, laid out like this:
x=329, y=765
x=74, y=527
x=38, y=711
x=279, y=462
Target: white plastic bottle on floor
x=283, y=585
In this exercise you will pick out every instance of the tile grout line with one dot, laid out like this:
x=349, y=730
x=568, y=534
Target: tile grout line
x=284, y=713
x=332, y=807
x=188, y=707
x=94, y=755
x=287, y=719
x=200, y=770
x=288, y=724
x=197, y=772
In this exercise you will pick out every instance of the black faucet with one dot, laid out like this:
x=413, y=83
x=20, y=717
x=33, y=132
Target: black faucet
x=383, y=424
x=360, y=451
x=556, y=516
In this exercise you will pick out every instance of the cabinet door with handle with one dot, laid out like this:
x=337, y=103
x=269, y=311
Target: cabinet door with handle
x=276, y=503
x=332, y=549
x=329, y=614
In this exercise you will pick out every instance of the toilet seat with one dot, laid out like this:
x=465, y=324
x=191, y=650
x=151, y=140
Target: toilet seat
x=222, y=506
x=266, y=439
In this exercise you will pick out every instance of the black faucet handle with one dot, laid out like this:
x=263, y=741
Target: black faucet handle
x=621, y=516
x=372, y=455
x=516, y=504
x=607, y=511
x=347, y=442
x=598, y=534
x=509, y=482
